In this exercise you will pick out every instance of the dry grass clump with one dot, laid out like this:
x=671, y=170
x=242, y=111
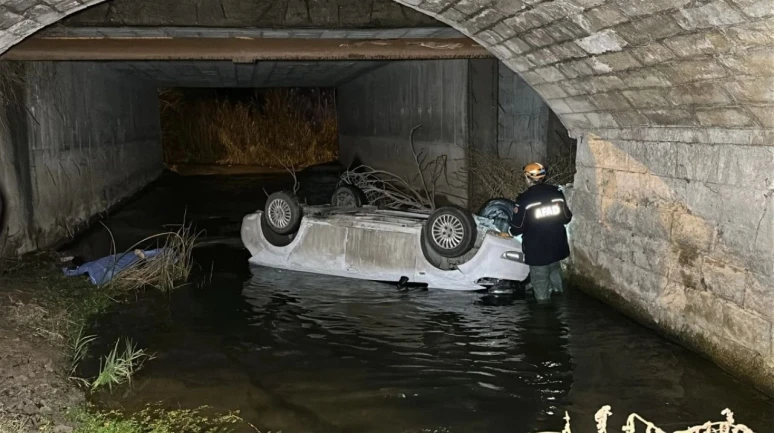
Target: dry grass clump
x=502, y=178
x=43, y=322
x=163, y=271
x=10, y=425
x=281, y=129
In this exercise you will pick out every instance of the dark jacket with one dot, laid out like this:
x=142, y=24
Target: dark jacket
x=540, y=215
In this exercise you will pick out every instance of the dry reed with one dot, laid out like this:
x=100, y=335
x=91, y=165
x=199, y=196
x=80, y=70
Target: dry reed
x=282, y=129
x=495, y=177
x=164, y=271
x=498, y=177
x=9, y=424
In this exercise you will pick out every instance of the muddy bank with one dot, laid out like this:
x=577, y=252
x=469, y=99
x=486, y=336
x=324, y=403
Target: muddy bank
x=35, y=389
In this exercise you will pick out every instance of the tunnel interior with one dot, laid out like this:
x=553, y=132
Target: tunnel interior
x=100, y=131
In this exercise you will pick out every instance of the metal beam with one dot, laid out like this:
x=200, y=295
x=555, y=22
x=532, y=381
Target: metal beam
x=241, y=50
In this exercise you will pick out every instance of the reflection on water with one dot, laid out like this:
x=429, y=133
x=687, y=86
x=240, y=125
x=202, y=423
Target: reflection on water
x=307, y=353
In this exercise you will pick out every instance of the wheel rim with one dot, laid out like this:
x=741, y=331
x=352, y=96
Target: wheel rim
x=279, y=213
x=345, y=199
x=448, y=232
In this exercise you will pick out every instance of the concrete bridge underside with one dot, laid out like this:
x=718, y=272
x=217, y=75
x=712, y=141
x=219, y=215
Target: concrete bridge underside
x=671, y=101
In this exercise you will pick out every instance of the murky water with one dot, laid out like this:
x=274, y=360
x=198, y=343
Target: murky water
x=307, y=353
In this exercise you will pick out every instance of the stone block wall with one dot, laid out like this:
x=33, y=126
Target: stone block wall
x=83, y=137
x=253, y=13
x=675, y=226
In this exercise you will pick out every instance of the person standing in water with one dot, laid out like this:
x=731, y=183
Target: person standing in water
x=540, y=215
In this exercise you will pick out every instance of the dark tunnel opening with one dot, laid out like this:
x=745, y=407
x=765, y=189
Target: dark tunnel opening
x=263, y=128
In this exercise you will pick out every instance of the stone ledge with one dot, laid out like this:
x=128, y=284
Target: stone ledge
x=750, y=137
x=231, y=32
x=732, y=357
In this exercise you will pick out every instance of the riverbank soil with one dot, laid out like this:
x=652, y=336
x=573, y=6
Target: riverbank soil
x=35, y=319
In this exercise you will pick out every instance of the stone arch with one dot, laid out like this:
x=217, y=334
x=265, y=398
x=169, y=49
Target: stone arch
x=598, y=63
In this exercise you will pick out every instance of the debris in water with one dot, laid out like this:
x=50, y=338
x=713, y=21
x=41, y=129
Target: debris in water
x=103, y=270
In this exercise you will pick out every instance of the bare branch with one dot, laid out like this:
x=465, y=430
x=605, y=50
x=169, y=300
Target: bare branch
x=292, y=171
x=419, y=166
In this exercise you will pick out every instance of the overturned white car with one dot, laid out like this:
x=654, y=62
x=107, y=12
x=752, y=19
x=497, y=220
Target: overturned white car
x=449, y=248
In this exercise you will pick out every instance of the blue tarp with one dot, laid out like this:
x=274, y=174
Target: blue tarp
x=103, y=270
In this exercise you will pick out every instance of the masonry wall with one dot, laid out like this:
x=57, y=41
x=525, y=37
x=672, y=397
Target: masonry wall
x=378, y=110
x=255, y=13
x=675, y=227
x=89, y=137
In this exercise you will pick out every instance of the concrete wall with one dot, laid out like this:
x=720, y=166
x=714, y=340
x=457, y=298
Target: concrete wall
x=14, y=163
x=675, y=226
x=466, y=104
x=522, y=120
x=528, y=130
x=88, y=138
x=482, y=103
x=378, y=110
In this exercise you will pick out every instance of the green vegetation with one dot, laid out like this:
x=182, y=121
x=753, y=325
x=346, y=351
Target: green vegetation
x=63, y=308
x=38, y=296
x=79, y=347
x=280, y=128
x=117, y=369
x=154, y=420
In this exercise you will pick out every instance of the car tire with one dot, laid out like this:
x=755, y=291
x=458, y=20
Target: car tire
x=283, y=212
x=500, y=210
x=273, y=238
x=450, y=231
x=348, y=196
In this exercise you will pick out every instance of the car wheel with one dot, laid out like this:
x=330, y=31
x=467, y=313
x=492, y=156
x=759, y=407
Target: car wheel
x=283, y=212
x=348, y=196
x=273, y=238
x=450, y=231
